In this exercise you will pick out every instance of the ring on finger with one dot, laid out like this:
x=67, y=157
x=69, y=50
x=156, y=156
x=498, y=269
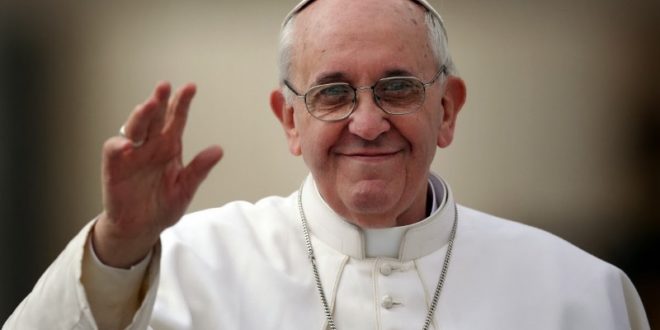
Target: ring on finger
x=122, y=133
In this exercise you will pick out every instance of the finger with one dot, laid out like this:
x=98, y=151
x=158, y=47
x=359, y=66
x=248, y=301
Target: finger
x=193, y=174
x=177, y=113
x=115, y=147
x=113, y=151
x=138, y=123
x=161, y=97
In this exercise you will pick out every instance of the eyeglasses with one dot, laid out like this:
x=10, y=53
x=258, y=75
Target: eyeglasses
x=393, y=95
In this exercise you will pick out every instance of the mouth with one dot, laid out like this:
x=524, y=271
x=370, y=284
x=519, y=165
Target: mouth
x=371, y=155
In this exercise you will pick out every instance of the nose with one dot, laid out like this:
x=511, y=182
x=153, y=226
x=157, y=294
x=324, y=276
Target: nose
x=368, y=121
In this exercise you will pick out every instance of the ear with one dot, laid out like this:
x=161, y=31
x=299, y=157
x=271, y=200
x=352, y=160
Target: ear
x=452, y=102
x=284, y=114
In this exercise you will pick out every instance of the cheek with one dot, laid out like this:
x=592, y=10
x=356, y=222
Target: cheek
x=433, y=127
x=316, y=140
x=421, y=133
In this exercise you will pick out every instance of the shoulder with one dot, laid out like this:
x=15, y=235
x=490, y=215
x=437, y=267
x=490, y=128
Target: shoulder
x=532, y=245
x=234, y=222
x=532, y=267
x=271, y=205
x=268, y=207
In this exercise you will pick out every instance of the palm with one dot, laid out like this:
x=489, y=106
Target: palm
x=147, y=188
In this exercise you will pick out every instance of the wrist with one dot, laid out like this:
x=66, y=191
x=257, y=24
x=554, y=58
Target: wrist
x=115, y=248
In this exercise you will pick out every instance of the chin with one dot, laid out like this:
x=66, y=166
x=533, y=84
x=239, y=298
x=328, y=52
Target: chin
x=371, y=198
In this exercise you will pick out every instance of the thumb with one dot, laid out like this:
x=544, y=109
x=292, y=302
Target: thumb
x=197, y=170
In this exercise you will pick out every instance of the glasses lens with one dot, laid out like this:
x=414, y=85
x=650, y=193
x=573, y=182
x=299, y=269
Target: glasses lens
x=330, y=101
x=399, y=95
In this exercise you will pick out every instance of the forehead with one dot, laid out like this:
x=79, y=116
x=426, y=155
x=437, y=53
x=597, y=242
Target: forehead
x=363, y=38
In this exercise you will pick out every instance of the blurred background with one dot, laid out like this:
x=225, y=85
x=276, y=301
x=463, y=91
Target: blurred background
x=561, y=129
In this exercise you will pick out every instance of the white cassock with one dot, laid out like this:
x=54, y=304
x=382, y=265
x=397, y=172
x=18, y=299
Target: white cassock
x=245, y=266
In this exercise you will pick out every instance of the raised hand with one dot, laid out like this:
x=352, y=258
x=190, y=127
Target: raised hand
x=146, y=187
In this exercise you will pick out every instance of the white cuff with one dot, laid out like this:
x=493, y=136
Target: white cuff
x=114, y=294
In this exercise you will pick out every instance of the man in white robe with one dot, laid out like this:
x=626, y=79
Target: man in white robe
x=391, y=248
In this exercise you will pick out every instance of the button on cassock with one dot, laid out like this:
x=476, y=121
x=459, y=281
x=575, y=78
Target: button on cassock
x=386, y=269
x=387, y=302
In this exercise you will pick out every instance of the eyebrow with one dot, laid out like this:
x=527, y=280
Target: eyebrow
x=330, y=77
x=338, y=76
x=398, y=73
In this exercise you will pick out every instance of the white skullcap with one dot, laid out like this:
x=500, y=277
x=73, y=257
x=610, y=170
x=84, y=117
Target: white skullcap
x=301, y=6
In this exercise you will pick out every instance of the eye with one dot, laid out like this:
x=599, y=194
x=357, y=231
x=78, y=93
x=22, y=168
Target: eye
x=334, y=91
x=331, y=95
x=396, y=87
x=398, y=94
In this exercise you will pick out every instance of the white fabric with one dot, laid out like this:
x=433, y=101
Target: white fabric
x=113, y=293
x=244, y=266
x=385, y=242
x=59, y=300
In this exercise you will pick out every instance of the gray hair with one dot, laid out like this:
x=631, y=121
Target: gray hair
x=436, y=33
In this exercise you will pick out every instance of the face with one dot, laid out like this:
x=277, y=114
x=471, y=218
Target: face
x=371, y=168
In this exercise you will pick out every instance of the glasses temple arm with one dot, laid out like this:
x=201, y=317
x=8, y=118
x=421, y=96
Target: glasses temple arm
x=288, y=85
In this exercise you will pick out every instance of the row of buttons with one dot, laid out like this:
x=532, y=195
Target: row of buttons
x=387, y=301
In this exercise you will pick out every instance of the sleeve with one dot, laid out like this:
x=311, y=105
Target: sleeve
x=114, y=294
x=59, y=299
x=634, y=307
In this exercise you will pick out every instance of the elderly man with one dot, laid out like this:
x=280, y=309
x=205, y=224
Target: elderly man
x=372, y=240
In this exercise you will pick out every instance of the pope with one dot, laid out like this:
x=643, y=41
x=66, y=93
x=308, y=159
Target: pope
x=372, y=239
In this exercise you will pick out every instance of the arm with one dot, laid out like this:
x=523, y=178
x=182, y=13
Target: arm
x=146, y=189
x=116, y=294
x=633, y=305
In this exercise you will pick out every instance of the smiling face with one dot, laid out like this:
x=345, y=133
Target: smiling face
x=371, y=168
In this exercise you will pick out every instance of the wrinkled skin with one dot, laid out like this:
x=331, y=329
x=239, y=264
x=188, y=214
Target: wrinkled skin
x=147, y=188
x=371, y=168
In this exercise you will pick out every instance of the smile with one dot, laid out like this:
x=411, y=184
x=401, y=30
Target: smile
x=371, y=156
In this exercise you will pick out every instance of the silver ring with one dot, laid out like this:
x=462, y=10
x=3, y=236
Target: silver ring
x=122, y=133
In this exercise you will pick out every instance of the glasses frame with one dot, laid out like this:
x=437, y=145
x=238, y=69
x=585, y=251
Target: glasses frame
x=436, y=77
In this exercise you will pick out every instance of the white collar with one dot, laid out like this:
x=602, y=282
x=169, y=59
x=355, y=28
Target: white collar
x=385, y=242
x=416, y=240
